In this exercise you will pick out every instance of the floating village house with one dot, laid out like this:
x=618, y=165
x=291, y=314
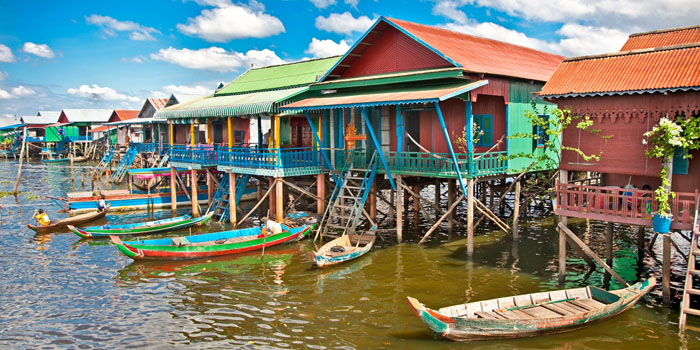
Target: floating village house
x=112, y=133
x=626, y=93
x=408, y=91
x=79, y=121
x=215, y=132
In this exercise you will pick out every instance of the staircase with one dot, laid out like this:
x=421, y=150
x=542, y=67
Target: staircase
x=348, y=199
x=123, y=167
x=104, y=162
x=692, y=275
x=220, y=202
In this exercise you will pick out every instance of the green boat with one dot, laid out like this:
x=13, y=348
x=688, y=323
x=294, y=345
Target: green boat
x=141, y=227
x=211, y=244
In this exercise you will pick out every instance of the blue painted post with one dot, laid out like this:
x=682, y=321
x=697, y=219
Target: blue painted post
x=378, y=147
x=399, y=130
x=318, y=140
x=507, y=155
x=470, y=139
x=449, y=147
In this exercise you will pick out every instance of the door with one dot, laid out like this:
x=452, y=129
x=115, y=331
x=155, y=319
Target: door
x=412, y=127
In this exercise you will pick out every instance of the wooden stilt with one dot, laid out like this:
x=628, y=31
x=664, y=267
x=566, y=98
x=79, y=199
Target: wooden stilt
x=470, y=217
x=491, y=198
x=195, y=204
x=232, y=198
x=417, y=200
x=442, y=218
x=416, y=206
x=437, y=192
x=392, y=205
x=640, y=244
x=260, y=197
x=373, y=200
x=451, y=196
x=563, y=221
x=399, y=209
x=565, y=230
x=271, y=195
x=273, y=182
x=173, y=189
x=19, y=169
x=666, y=271
x=609, y=243
x=581, y=253
x=321, y=193
x=516, y=211
x=279, y=210
x=437, y=209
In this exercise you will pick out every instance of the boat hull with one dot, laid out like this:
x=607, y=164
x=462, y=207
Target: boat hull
x=134, y=202
x=322, y=258
x=124, y=230
x=60, y=224
x=472, y=329
x=171, y=251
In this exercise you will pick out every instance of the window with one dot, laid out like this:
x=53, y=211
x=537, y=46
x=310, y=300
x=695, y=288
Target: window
x=540, y=132
x=680, y=163
x=485, y=124
x=238, y=137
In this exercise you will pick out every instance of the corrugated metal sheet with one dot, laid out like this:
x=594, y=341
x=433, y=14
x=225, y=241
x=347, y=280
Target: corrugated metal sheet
x=253, y=103
x=660, y=38
x=88, y=115
x=126, y=114
x=102, y=128
x=630, y=72
x=280, y=76
x=483, y=55
x=36, y=120
x=51, y=115
x=400, y=96
x=158, y=103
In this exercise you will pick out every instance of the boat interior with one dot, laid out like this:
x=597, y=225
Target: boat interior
x=560, y=303
x=348, y=243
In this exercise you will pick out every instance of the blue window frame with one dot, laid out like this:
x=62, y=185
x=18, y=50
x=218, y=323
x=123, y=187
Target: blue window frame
x=238, y=137
x=680, y=163
x=485, y=124
x=541, y=133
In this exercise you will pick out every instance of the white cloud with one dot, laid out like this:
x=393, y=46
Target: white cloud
x=343, y=23
x=6, y=54
x=352, y=3
x=324, y=48
x=449, y=9
x=132, y=60
x=216, y=58
x=322, y=4
x=3, y=75
x=227, y=21
x=110, y=26
x=187, y=90
x=16, y=92
x=41, y=50
x=99, y=93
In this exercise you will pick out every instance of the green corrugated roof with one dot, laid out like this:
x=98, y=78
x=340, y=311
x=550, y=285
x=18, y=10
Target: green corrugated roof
x=262, y=102
x=281, y=76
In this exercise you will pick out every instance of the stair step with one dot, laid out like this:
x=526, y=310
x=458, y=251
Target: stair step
x=340, y=227
x=347, y=197
x=343, y=206
x=693, y=291
x=690, y=311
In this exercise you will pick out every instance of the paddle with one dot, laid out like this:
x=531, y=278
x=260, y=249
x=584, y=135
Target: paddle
x=540, y=304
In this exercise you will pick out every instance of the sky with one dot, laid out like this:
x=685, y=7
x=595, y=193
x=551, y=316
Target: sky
x=115, y=54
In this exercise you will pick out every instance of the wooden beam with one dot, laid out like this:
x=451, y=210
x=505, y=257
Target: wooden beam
x=666, y=270
x=451, y=196
x=442, y=218
x=399, y=209
x=195, y=202
x=516, y=211
x=320, y=193
x=437, y=209
x=416, y=201
x=279, y=212
x=562, y=228
x=273, y=182
x=231, y=198
x=470, y=217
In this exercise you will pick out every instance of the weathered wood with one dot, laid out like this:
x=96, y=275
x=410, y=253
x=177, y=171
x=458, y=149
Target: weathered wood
x=303, y=191
x=260, y=201
x=562, y=227
x=666, y=270
x=417, y=200
x=210, y=187
x=21, y=153
x=442, y=218
x=373, y=200
x=451, y=196
x=434, y=205
x=320, y=193
x=173, y=189
x=640, y=244
x=581, y=254
x=279, y=212
x=516, y=210
x=609, y=243
x=193, y=199
x=232, y=198
x=481, y=207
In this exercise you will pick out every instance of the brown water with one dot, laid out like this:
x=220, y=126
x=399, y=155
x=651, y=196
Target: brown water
x=59, y=292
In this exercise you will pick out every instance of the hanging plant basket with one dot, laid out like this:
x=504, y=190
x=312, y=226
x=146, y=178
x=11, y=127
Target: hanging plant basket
x=662, y=222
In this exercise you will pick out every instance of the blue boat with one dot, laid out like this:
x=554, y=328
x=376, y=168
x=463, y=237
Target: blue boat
x=170, y=224
x=344, y=248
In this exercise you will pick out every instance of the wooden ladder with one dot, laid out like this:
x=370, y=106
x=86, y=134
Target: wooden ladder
x=692, y=274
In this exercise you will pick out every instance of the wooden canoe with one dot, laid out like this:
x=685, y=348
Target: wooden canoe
x=171, y=224
x=73, y=220
x=209, y=244
x=530, y=314
x=344, y=248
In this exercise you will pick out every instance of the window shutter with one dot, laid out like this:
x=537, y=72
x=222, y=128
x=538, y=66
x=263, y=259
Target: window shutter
x=487, y=122
x=680, y=164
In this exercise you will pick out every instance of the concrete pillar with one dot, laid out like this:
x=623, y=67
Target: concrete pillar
x=193, y=192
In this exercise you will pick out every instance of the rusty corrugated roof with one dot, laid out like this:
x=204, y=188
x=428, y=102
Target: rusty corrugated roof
x=661, y=38
x=126, y=114
x=158, y=103
x=660, y=69
x=482, y=55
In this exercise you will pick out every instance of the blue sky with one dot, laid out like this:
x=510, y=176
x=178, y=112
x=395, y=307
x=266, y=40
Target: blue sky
x=115, y=54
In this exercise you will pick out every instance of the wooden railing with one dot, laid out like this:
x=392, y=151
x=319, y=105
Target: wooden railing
x=629, y=206
x=269, y=158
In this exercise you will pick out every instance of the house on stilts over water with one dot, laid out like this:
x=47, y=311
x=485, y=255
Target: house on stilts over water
x=652, y=80
x=239, y=133
x=396, y=102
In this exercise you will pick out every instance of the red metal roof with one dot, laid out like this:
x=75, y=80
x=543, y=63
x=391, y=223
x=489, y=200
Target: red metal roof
x=674, y=67
x=158, y=103
x=660, y=38
x=101, y=128
x=125, y=114
x=481, y=55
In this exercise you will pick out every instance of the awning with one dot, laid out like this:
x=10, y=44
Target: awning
x=58, y=125
x=136, y=121
x=254, y=103
x=102, y=128
x=390, y=97
x=11, y=127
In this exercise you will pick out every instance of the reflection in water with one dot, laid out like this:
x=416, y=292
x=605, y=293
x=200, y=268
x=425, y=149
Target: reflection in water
x=80, y=293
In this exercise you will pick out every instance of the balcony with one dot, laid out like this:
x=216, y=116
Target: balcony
x=621, y=205
x=83, y=138
x=192, y=157
x=270, y=161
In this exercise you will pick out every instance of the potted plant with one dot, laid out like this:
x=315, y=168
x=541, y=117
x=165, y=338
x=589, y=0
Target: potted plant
x=664, y=139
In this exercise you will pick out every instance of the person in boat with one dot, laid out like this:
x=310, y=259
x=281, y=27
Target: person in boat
x=101, y=206
x=42, y=217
